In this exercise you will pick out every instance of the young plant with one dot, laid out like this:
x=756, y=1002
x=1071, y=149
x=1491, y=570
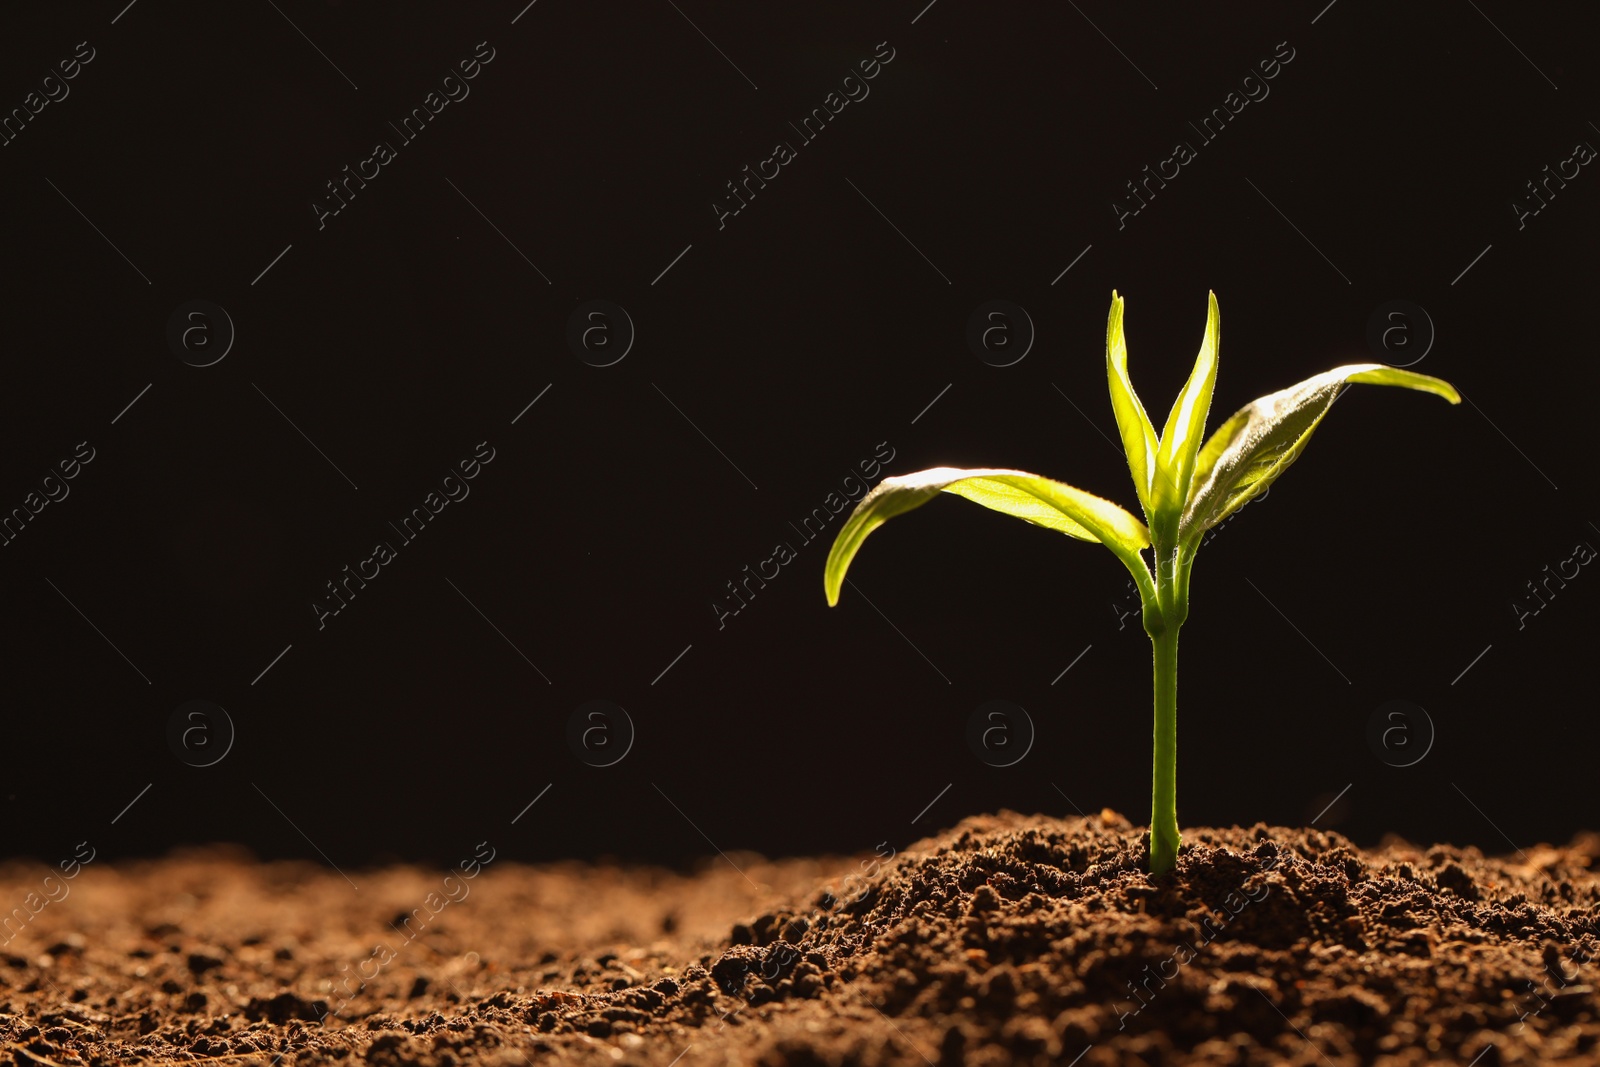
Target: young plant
x=1185, y=488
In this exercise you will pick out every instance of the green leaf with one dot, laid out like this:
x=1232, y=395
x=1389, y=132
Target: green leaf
x=1017, y=493
x=1256, y=445
x=1138, y=435
x=1186, y=424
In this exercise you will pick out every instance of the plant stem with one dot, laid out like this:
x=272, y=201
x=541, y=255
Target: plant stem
x=1164, y=778
x=1171, y=590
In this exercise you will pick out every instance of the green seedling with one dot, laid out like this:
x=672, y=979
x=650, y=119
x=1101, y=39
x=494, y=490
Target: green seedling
x=1184, y=487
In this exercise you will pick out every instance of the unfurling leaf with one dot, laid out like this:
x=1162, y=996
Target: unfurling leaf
x=1256, y=445
x=1138, y=435
x=1030, y=497
x=1186, y=425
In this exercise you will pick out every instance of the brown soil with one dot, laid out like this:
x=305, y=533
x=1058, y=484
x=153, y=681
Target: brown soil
x=1008, y=939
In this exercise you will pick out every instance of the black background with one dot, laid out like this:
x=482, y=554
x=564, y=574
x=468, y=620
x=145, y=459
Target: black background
x=818, y=322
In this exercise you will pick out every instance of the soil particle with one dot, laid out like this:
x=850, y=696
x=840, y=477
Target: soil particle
x=204, y=960
x=1007, y=939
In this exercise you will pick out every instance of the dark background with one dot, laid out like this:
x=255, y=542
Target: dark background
x=819, y=322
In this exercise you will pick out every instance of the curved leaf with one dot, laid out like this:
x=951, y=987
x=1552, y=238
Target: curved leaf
x=1138, y=435
x=1256, y=445
x=1180, y=440
x=1025, y=496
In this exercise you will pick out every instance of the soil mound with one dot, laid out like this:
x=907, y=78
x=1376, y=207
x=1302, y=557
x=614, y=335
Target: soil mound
x=1007, y=939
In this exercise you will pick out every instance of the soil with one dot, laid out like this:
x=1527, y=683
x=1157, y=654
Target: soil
x=1007, y=939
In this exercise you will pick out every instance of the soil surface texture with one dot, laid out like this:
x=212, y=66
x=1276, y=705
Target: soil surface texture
x=1007, y=939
